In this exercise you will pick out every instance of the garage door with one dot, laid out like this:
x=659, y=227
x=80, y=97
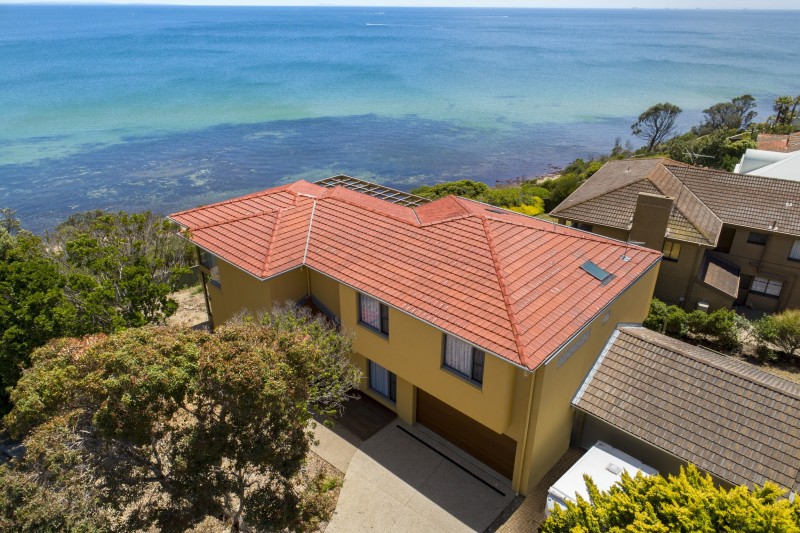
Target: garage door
x=493, y=449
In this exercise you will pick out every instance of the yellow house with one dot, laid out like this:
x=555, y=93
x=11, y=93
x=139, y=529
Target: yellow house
x=476, y=322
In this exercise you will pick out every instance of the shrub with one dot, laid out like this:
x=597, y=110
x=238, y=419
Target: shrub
x=723, y=326
x=781, y=330
x=686, y=502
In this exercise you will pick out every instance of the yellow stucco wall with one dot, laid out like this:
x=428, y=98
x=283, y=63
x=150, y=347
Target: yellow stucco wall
x=413, y=352
x=242, y=293
x=325, y=291
x=557, y=381
x=675, y=278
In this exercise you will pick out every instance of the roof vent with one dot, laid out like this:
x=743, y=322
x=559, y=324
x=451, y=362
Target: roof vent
x=597, y=272
x=625, y=258
x=788, y=204
x=614, y=469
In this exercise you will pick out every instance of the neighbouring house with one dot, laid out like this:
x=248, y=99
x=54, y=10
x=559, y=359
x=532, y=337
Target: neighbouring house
x=779, y=143
x=476, y=322
x=669, y=403
x=777, y=156
x=727, y=239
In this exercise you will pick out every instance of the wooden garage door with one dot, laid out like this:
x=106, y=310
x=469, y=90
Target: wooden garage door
x=493, y=449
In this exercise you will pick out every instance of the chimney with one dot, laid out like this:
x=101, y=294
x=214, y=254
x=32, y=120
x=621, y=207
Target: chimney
x=649, y=224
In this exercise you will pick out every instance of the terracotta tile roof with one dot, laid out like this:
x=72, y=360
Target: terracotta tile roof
x=507, y=283
x=721, y=275
x=779, y=143
x=704, y=199
x=725, y=416
x=373, y=189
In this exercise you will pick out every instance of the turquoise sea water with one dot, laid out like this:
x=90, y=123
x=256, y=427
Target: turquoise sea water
x=169, y=107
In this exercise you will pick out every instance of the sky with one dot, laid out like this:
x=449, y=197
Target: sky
x=644, y=4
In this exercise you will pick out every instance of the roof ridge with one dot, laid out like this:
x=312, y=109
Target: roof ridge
x=675, y=204
x=646, y=177
x=504, y=291
x=633, y=330
x=386, y=214
x=237, y=219
x=265, y=267
x=308, y=237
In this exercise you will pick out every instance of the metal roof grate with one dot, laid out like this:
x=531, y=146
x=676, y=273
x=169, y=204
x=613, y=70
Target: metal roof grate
x=375, y=190
x=597, y=272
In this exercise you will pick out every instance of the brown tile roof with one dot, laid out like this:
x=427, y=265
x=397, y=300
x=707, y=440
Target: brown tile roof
x=764, y=204
x=505, y=282
x=779, y=143
x=704, y=199
x=721, y=275
x=725, y=416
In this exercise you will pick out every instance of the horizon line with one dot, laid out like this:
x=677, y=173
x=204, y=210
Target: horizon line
x=388, y=6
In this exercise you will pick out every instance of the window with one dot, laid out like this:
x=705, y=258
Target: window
x=382, y=381
x=209, y=261
x=757, y=238
x=767, y=287
x=374, y=314
x=794, y=253
x=671, y=250
x=463, y=359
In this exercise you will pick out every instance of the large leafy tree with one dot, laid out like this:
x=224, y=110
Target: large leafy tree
x=121, y=268
x=720, y=148
x=164, y=427
x=656, y=123
x=95, y=272
x=736, y=114
x=33, y=307
x=688, y=503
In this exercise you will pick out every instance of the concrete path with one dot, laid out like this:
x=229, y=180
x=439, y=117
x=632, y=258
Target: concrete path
x=393, y=482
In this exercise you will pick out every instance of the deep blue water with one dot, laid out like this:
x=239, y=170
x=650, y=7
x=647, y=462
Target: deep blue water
x=168, y=107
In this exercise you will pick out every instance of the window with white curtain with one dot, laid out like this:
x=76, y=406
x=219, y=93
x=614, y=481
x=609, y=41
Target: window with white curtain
x=463, y=358
x=374, y=314
x=382, y=381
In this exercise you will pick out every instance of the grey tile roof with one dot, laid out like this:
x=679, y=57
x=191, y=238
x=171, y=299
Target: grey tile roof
x=722, y=275
x=704, y=199
x=764, y=204
x=727, y=417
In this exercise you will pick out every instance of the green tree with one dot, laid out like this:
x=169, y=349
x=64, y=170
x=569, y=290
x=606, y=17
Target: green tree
x=176, y=425
x=656, y=123
x=720, y=148
x=688, y=502
x=781, y=330
x=463, y=188
x=785, y=108
x=33, y=307
x=736, y=115
x=121, y=268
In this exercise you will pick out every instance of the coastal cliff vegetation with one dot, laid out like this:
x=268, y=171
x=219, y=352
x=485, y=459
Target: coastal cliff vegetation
x=96, y=272
x=727, y=130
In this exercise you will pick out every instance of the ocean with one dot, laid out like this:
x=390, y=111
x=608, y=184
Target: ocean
x=166, y=108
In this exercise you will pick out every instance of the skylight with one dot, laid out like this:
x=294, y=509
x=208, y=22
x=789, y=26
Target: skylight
x=597, y=272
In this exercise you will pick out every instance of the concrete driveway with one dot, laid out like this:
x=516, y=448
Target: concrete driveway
x=394, y=482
